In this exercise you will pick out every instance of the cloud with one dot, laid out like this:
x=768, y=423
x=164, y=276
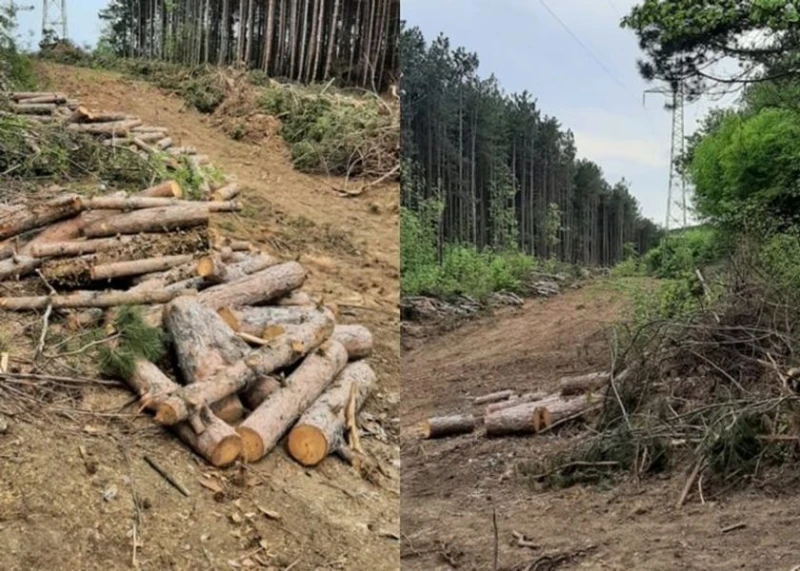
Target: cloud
x=601, y=148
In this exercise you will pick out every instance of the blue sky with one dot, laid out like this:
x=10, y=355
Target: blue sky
x=526, y=48
x=83, y=25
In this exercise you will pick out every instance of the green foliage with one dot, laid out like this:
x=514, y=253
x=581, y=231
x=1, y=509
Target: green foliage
x=733, y=445
x=329, y=134
x=680, y=254
x=628, y=268
x=463, y=269
x=681, y=38
x=779, y=259
x=135, y=340
x=16, y=71
x=748, y=170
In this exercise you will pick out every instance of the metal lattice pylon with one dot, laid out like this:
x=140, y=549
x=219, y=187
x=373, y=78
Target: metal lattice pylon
x=54, y=17
x=677, y=181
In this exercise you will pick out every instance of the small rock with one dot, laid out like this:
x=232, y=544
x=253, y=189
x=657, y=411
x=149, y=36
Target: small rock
x=3, y=425
x=110, y=493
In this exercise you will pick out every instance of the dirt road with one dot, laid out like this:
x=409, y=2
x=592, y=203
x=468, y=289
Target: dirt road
x=54, y=472
x=451, y=486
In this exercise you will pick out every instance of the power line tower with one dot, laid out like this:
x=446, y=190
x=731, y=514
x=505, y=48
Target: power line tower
x=54, y=18
x=677, y=207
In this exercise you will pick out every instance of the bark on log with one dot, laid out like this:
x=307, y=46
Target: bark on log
x=535, y=416
x=357, y=339
x=282, y=351
x=168, y=189
x=442, y=426
x=583, y=383
x=295, y=298
x=321, y=429
x=494, y=397
x=147, y=136
x=261, y=431
x=163, y=144
x=78, y=247
x=556, y=410
x=138, y=267
x=227, y=192
x=18, y=219
x=138, y=202
x=88, y=299
x=150, y=220
x=514, y=401
x=56, y=98
x=20, y=95
x=206, y=349
x=254, y=320
x=109, y=129
x=18, y=266
x=33, y=108
x=263, y=286
x=219, y=443
x=215, y=271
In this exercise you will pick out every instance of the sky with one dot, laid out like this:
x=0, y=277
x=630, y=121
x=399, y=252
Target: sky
x=83, y=24
x=595, y=91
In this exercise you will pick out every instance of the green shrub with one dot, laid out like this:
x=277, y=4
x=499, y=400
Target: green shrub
x=679, y=255
x=780, y=260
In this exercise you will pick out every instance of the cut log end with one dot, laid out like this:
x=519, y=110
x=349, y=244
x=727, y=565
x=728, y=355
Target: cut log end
x=206, y=267
x=166, y=414
x=229, y=317
x=252, y=444
x=227, y=451
x=308, y=445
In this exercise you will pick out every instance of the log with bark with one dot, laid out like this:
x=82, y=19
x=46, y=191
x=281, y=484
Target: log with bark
x=284, y=350
x=206, y=349
x=89, y=299
x=583, y=383
x=494, y=397
x=33, y=108
x=17, y=219
x=214, y=269
x=261, y=431
x=161, y=219
x=18, y=266
x=78, y=247
x=109, y=128
x=321, y=429
x=254, y=320
x=218, y=443
x=260, y=287
x=129, y=203
x=442, y=426
x=227, y=192
x=168, y=189
x=357, y=339
x=514, y=401
x=138, y=267
x=535, y=416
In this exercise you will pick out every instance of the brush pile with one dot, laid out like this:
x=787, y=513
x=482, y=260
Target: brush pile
x=254, y=355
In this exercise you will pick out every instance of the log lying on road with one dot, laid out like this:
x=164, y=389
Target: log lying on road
x=17, y=219
x=514, y=401
x=494, y=397
x=219, y=443
x=161, y=219
x=205, y=348
x=321, y=429
x=138, y=267
x=583, y=383
x=442, y=426
x=89, y=299
x=260, y=287
x=261, y=431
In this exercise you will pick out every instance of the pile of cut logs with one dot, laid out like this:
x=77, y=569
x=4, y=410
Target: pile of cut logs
x=506, y=412
x=119, y=130
x=256, y=357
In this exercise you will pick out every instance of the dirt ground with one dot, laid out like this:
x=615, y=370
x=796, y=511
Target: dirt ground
x=451, y=486
x=56, y=468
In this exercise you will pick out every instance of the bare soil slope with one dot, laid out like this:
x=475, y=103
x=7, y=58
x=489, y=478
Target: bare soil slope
x=450, y=486
x=56, y=468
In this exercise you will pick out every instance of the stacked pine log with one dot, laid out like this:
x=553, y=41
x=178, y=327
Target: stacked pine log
x=509, y=413
x=256, y=357
x=119, y=130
